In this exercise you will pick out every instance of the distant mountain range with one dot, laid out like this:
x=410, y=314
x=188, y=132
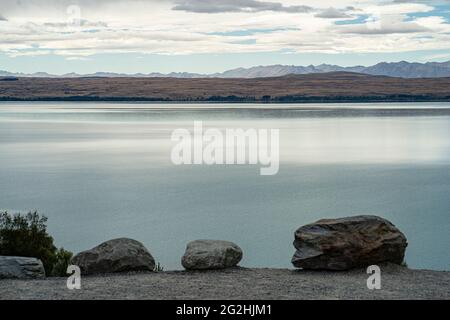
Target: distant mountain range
x=401, y=69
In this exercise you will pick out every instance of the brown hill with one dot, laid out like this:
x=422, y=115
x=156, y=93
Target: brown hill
x=338, y=86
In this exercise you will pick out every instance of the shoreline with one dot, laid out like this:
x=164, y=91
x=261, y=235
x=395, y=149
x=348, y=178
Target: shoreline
x=332, y=87
x=231, y=101
x=397, y=282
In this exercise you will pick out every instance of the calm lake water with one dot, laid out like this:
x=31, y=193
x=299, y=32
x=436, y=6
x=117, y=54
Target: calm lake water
x=101, y=171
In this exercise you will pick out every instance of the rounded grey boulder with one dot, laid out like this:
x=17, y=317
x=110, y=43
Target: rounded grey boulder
x=21, y=268
x=211, y=254
x=118, y=255
x=346, y=243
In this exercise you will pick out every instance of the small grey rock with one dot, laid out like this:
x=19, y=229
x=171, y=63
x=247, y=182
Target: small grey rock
x=118, y=255
x=346, y=243
x=21, y=268
x=211, y=254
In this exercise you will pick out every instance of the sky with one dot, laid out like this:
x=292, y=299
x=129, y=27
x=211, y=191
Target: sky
x=207, y=36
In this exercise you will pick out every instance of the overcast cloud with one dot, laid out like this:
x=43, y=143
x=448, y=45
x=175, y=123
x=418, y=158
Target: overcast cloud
x=213, y=6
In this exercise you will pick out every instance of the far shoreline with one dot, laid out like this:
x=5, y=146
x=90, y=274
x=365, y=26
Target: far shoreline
x=233, y=101
x=337, y=87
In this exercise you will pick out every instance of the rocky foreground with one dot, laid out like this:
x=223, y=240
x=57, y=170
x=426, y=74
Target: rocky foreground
x=332, y=255
x=238, y=283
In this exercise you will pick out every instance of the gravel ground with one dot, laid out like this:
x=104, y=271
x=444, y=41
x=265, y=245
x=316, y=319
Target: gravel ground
x=239, y=283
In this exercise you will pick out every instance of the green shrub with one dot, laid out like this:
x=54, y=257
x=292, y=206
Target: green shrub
x=26, y=235
x=62, y=262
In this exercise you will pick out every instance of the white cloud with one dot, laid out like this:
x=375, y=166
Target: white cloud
x=38, y=27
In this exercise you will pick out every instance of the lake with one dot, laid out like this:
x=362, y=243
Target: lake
x=100, y=171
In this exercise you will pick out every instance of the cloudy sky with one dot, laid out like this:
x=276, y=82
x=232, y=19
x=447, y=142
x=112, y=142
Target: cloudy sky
x=61, y=36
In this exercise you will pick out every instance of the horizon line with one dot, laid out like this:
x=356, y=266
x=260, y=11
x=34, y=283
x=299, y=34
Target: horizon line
x=226, y=70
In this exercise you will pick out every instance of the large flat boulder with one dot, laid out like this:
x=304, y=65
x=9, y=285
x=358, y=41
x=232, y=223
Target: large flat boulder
x=21, y=268
x=118, y=255
x=346, y=243
x=211, y=254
